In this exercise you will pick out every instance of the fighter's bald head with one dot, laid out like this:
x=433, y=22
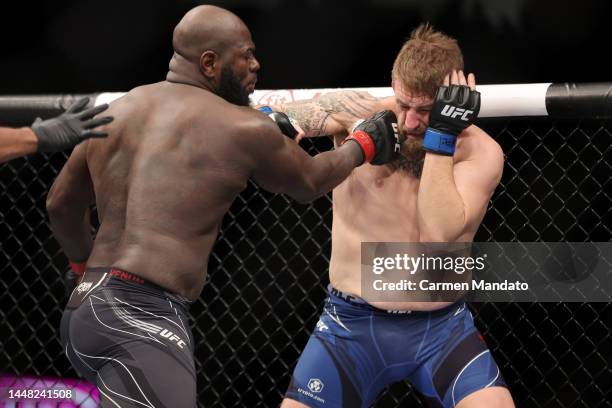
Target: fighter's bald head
x=213, y=50
x=207, y=28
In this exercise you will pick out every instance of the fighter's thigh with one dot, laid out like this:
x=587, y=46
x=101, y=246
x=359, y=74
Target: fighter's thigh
x=320, y=380
x=147, y=375
x=492, y=397
x=291, y=403
x=469, y=371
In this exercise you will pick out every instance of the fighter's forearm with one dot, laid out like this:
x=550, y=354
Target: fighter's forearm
x=440, y=208
x=72, y=229
x=328, y=169
x=333, y=113
x=311, y=117
x=16, y=143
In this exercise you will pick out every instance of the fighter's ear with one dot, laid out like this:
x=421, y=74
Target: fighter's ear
x=208, y=63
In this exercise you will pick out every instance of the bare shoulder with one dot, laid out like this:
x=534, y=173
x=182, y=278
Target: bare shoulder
x=252, y=120
x=135, y=99
x=142, y=91
x=255, y=130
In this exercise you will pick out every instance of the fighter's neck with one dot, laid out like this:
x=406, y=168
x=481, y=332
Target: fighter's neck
x=182, y=71
x=176, y=78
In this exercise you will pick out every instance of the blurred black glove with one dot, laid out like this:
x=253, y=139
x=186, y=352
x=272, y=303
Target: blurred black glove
x=378, y=138
x=455, y=108
x=70, y=128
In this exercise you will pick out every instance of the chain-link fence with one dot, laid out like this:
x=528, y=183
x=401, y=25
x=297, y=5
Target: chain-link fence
x=269, y=272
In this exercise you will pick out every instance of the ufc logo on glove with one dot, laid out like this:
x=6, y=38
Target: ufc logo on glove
x=453, y=112
x=397, y=146
x=455, y=108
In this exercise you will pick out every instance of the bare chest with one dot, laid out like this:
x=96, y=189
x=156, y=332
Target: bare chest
x=378, y=204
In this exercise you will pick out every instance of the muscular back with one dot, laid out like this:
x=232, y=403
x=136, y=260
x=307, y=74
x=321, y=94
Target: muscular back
x=163, y=181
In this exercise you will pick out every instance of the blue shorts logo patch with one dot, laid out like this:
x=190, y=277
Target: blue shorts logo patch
x=315, y=385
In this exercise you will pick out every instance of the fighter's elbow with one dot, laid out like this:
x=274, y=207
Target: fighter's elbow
x=306, y=196
x=441, y=234
x=55, y=203
x=308, y=192
x=434, y=236
x=52, y=202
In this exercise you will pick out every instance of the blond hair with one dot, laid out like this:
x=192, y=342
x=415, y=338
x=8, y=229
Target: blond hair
x=425, y=59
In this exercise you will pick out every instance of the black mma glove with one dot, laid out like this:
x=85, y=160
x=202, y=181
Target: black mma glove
x=378, y=138
x=70, y=128
x=285, y=124
x=455, y=108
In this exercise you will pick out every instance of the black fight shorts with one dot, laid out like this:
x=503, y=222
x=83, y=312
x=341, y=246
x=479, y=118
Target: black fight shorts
x=131, y=339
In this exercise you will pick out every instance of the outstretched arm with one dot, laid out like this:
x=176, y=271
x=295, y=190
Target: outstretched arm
x=55, y=134
x=16, y=143
x=281, y=166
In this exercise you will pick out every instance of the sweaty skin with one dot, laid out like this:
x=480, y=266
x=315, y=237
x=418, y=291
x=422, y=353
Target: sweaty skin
x=176, y=157
x=384, y=204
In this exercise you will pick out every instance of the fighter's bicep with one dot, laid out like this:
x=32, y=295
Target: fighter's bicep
x=280, y=165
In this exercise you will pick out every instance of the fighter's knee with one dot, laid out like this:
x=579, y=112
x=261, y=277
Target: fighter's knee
x=492, y=397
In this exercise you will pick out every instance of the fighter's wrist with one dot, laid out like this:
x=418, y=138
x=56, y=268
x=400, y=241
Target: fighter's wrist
x=356, y=151
x=27, y=140
x=365, y=143
x=439, y=142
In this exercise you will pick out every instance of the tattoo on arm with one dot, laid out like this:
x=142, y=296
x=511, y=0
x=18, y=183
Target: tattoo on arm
x=331, y=112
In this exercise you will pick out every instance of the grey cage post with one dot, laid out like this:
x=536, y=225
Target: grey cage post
x=268, y=270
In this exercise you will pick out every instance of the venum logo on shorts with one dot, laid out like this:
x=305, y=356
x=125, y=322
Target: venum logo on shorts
x=453, y=112
x=315, y=385
x=83, y=287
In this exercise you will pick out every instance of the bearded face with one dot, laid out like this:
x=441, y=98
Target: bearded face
x=231, y=88
x=412, y=156
x=413, y=119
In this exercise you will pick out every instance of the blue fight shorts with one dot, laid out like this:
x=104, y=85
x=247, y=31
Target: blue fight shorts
x=357, y=350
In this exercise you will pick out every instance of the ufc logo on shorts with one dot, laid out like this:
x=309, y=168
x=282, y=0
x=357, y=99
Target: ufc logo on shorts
x=453, y=112
x=172, y=337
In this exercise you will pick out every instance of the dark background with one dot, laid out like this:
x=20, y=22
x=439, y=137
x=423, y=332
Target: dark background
x=114, y=45
x=268, y=270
